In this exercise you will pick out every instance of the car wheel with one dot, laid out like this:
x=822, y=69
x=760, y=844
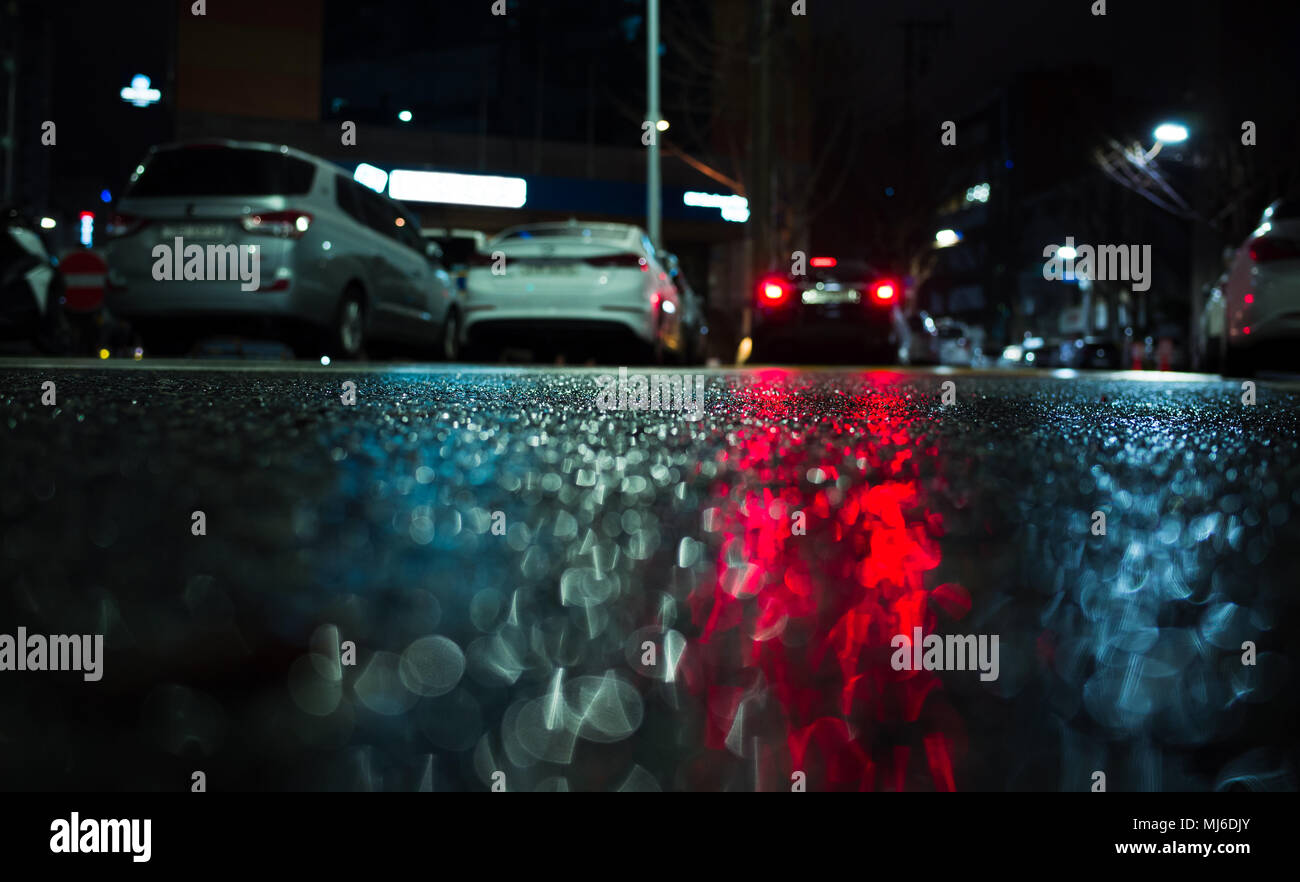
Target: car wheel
x=347, y=336
x=449, y=348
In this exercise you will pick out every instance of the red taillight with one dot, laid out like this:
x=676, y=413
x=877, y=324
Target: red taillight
x=619, y=261
x=773, y=292
x=123, y=225
x=824, y=261
x=1268, y=248
x=284, y=224
x=884, y=291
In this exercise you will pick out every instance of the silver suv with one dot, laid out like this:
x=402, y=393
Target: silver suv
x=248, y=237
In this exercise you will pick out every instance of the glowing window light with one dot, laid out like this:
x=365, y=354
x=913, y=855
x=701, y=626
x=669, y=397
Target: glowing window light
x=733, y=208
x=369, y=176
x=140, y=93
x=457, y=189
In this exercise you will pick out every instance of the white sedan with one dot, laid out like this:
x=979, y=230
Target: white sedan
x=545, y=285
x=1262, y=294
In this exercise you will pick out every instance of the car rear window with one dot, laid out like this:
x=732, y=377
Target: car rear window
x=614, y=235
x=222, y=171
x=457, y=250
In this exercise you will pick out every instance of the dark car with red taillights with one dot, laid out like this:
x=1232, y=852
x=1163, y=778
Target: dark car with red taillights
x=836, y=309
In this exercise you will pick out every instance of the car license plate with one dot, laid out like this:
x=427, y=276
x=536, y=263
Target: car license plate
x=548, y=269
x=814, y=296
x=194, y=231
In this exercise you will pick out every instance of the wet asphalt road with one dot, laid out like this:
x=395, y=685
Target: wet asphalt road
x=590, y=600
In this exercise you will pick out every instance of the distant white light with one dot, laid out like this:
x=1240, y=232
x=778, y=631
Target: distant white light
x=48, y=223
x=87, y=233
x=978, y=193
x=734, y=208
x=369, y=176
x=946, y=238
x=140, y=93
x=325, y=359
x=662, y=125
x=1171, y=133
x=1066, y=252
x=404, y=115
x=456, y=189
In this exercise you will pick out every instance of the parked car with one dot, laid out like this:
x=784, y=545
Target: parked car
x=548, y=285
x=918, y=339
x=458, y=249
x=339, y=266
x=1262, y=294
x=31, y=288
x=847, y=307
x=960, y=345
x=1209, y=328
x=1031, y=351
x=695, y=326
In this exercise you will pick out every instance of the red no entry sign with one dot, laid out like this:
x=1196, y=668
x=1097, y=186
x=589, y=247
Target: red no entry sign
x=84, y=273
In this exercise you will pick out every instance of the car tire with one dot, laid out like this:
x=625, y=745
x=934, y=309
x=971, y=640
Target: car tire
x=346, y=336
x=449, y=348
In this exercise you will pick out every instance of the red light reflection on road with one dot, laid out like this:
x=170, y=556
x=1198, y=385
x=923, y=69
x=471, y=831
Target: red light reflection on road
x=808, y=617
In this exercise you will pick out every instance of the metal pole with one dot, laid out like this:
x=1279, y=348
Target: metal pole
x=654, y=194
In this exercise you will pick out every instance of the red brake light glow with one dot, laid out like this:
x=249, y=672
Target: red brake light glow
x=824, y=261
x=884, y=291
x=618, y=261
x=773, y=292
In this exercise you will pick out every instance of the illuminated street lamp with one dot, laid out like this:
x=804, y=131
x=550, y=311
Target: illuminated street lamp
x=1171, y=133
x=1166, y=133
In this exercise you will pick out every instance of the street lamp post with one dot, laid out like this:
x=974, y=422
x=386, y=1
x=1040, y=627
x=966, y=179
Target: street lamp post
x=654, y=194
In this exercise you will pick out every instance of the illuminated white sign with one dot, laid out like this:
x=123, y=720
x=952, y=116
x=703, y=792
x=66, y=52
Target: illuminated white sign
x=139, y=92
x=734, y=208
x=456, y=189
x=369, y=176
